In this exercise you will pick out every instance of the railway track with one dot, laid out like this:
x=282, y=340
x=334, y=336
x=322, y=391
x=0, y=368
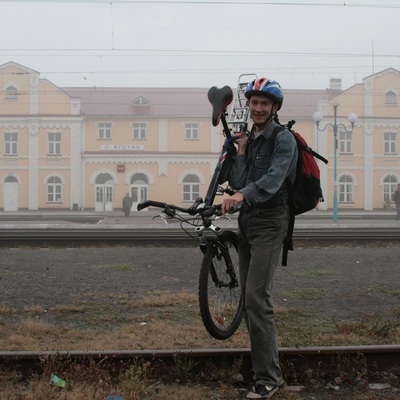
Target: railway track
x=295, y=361
x=142, y=235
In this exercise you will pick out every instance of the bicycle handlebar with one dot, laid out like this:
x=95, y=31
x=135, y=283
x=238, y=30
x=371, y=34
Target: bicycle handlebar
x=195, y=209
x=150, y=203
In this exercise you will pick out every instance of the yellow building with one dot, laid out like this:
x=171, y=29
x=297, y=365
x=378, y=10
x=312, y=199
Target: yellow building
x=41, y=141
x=368, y=161
x=83, y=148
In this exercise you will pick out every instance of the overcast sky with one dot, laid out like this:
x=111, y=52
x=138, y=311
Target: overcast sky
x=201, y=43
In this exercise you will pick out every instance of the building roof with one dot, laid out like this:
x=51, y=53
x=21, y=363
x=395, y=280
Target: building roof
x=180, y=102
x=164, y=102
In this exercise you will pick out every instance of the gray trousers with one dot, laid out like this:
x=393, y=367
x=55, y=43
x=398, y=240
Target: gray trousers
x=261, y=232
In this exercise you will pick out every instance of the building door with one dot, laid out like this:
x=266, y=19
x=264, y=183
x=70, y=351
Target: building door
x=104, y=193
x=139, y=190
x=10, y=193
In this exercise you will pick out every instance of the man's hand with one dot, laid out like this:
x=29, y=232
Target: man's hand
x=228, y=203
x=241, y=141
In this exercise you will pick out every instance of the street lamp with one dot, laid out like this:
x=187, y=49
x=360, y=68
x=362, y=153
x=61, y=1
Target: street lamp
x=317, y=116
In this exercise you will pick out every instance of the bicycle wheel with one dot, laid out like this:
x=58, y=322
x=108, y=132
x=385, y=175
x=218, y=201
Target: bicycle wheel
x=219, y=291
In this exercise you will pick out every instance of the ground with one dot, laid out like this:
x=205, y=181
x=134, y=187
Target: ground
x=335, y=282
x=339, y=282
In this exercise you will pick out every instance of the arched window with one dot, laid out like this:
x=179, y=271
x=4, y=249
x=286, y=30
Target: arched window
x=389, y=186
x=191, y=187
x=139, y=179
x=141, y=106
x=390, y=97
x=139, y=187
x=104, y=179
x=345, y=189
x=54, y=190
x=11, y=179
x=11, y=93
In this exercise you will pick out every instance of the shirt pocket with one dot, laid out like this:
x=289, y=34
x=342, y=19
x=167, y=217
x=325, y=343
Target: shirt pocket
x=261, y=164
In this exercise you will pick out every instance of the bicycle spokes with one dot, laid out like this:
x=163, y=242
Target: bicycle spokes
x=219, y=291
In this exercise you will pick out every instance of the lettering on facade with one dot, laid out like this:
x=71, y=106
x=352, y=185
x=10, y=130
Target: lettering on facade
x=119, y=147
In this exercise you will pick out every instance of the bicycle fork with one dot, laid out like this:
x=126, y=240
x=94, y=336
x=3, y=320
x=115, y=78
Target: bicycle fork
x=220, y=252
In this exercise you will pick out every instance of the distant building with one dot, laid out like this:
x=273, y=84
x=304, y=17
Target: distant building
x=81, y=148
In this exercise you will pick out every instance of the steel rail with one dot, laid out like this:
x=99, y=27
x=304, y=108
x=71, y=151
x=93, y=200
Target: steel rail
x=55, y=233
x=294, y=361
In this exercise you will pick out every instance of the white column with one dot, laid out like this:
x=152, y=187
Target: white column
x=34, y=94
x=368, y=145
x=368, y=167
x=33, y=166
x=163, y=135
x=76, y=164
x=215, y=144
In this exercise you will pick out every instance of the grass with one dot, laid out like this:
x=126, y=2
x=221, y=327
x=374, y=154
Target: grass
x=157, y=320
x=96, y=320
x=166, y=320
x=94, y=380
x=309, y=293
x=115, y=267
x=317, y=273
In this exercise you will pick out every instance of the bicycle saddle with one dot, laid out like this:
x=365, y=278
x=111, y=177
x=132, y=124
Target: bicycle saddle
x=219, y=99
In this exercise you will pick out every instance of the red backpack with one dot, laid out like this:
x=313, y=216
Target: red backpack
x=305, y=193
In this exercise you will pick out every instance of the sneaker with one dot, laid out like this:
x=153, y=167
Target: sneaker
x=260, y=391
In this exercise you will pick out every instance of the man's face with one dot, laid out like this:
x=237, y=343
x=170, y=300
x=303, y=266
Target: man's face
x=260, y=110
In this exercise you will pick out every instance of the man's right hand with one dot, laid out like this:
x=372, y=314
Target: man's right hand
x=241, y=141
x=228, y=203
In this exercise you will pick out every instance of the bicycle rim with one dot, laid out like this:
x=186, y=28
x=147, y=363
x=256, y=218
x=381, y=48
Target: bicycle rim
x=219, y=293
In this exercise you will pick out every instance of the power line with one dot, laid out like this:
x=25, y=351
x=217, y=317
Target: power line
x=211, y=2
x=182, y=52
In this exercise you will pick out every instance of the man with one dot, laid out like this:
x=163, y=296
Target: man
x=127, y=204
x=259, y=178
x=396, y=198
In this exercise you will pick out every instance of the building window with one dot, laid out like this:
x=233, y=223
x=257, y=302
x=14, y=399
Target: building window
x=390, y=142
x=345, y=189
x=104, y=130
x=141, y=106
x=10, y=143
x=54, y=141
x=390, y=97
x=191, y=187
x=389, y=186
x=11, y=93
x=139, y=130
x=54, y=190
x=191, y=131
x=345, y=142
x=139, y=188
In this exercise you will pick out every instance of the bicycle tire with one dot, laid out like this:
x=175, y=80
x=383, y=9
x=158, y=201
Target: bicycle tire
x=220, y=297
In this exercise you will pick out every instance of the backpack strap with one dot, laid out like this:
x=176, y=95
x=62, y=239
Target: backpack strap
x=271, y=140
x=316, y=155
x=288, y=241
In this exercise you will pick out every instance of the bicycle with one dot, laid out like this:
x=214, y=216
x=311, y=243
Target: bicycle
x=219, y=292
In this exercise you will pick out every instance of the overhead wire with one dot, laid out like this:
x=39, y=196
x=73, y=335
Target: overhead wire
x=214, y=2
x=134, y=52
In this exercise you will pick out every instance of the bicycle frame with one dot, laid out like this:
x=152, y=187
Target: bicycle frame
x=219, y=292
x=237, y=122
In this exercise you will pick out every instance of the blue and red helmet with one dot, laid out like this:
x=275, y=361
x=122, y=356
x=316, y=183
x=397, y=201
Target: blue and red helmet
x=265, y=87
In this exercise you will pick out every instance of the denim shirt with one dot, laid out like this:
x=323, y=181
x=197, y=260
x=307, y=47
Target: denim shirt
x=260, y=175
